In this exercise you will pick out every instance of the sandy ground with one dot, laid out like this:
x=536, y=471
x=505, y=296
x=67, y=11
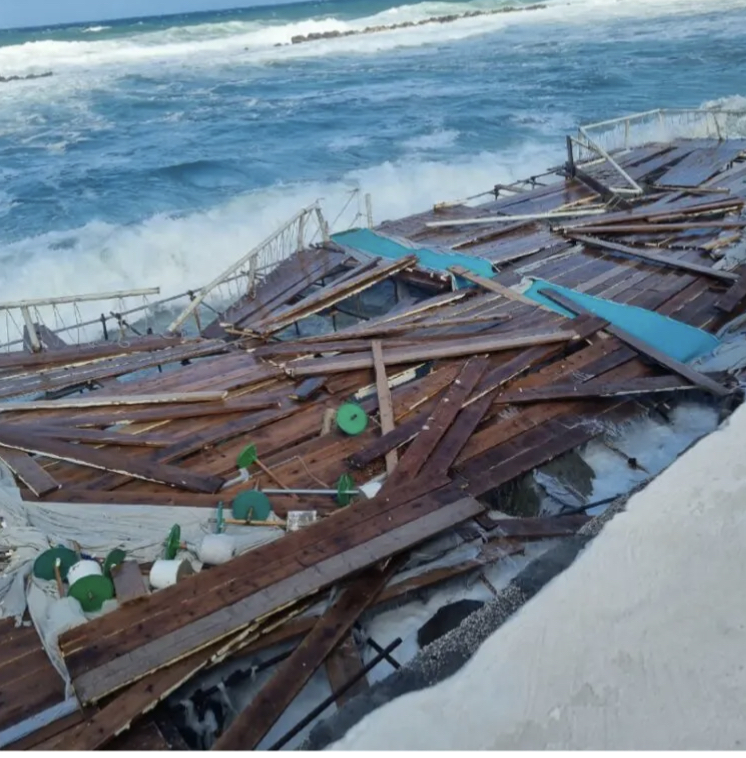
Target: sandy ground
x=640, y=644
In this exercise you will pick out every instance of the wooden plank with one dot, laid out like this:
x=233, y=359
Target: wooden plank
x=128, y=581
x=99, y=400
x=107, y=461
x=116, y=717
x=292, y=675
x=432, y=517
x=595, y=389
x=662, y=228
x=308, y=388
x=733, y=297
x=343, y=665
x=645, y=348
x=446, y=349
x=36, y=478
x=533, y=528
x=492, y=286
x=438, y=423
x=701, y=164
x=385, y=408
x=654, y=256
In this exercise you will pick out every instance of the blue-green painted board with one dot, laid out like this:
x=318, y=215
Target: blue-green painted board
x=367, y=241
x=679, y=340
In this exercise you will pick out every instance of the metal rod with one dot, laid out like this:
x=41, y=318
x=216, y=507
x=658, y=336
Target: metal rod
x=319, y=709
x=79, y=298
x=311, y=492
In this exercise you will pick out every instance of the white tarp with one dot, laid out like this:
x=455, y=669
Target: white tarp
x=141, y=530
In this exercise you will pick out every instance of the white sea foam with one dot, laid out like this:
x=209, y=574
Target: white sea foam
x=214, y=44
x=435, y=140
x=185, y=252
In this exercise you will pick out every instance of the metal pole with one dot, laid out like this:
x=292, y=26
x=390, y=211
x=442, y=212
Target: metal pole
x=369, y=209
x=79, y=298
x=31, y=329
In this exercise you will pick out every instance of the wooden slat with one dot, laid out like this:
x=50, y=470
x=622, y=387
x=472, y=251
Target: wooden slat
x=128, y=581
x=64, y=451
x=492, y=286
x=734, y=296
x=445, y=349
x=253, y=723
x=654, y=256
x=385, y=408
x=344, y=664
x=595, y=389
x=695, y=377
x=37, y=479
x=98, y=400
x=430, y=518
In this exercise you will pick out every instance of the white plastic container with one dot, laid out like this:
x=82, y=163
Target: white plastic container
x=216, y=549
x=83, y=568
x=165, y=573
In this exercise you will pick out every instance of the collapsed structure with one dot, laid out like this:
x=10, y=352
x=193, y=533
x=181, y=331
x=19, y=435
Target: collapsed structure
x=364, y=394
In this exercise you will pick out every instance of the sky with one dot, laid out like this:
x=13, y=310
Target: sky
x=19, y=13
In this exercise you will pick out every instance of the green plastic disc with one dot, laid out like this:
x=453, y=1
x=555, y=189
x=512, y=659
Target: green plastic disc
x=91, y=592
x=251, y=505
x=344, y=485
x=352, y=419
x=114, y=558
x=246, y=457
x=44, y=564
x=173, y=542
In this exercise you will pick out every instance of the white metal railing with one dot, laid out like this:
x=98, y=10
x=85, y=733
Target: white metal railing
x=600, y=141
x=292, y=236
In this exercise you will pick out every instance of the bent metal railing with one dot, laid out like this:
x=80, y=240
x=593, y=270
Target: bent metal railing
x=598, y=143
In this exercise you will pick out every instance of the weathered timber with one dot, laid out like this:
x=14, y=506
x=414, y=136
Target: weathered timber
x=329, y=296
x=446, y=349
x=253, y=723
x=308, y=388
x=343, y=665
x=96, y=400
x=654, y=256
x=645, y=348
x=128, y=581
x=492, y=286
x=533, y=528
x=385, y=409
x=596, y=389
x=36, y=478
x=437, y=423
x=15, y=439
x=406, y=526
x=733, y=297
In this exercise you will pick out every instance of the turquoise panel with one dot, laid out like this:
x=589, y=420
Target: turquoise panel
x=367, y=241
x=679, y=340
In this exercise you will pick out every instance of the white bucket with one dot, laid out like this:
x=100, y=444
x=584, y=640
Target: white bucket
x=165, y=573
x=216, y=549
x=83, y=568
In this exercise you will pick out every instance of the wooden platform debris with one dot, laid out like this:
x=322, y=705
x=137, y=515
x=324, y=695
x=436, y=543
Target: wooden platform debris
x=464, y=390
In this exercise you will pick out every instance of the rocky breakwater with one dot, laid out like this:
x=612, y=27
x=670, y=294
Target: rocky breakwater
x=408, y=24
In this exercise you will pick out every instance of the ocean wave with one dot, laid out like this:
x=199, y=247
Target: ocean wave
x=95, y=29
x=216, y=43
x=178, y=253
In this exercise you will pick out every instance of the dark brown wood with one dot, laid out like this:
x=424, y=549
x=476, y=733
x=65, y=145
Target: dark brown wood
x=342, y=666
x=654, y=255
x=128, y=581
x=308, y=388
x=596, y=389
x=107, y=461
x=734, y=296
x=695, y=377
x=533, y=528
x=253, y=723
x=36, y=478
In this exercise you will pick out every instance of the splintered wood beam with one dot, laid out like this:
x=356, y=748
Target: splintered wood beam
x=681, y=226
x=94, y=400
x=645, y=348
x=595, y=389
x=492, y=286
x=343, y=665
x=36, y=478
x=654, y=255
x=19, y=439
x=292, y=675
x=456, y=348
x=437, y=424
x=385, y=407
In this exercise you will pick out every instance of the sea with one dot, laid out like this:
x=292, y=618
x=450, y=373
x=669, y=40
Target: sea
x=163, y=148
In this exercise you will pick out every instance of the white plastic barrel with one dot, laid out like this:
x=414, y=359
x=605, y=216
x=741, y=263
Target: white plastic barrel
x=83, y=568
x=165, y=573
x=216, y=549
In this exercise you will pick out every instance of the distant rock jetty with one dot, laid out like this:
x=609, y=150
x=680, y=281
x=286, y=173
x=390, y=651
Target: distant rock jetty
x=5, y=79
x=407, y=24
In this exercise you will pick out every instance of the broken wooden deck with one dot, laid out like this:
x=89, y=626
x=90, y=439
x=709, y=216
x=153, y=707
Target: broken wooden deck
x=484, y=385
